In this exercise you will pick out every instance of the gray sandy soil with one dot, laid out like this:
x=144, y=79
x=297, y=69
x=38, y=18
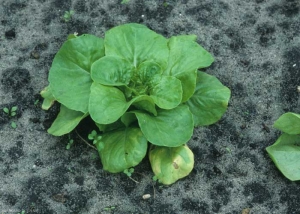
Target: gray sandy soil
x=256, y=45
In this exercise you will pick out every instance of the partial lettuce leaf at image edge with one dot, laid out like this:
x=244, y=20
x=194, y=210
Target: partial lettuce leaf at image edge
x=171, y=164
x=66, y=121
x=122, y=149
x=169, y=128
x=69, y=75
x=285, y=153
x=288, y=123
x=210, y=100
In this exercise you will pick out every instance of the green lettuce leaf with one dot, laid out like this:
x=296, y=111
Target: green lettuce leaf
x=48, y=98
x=66, y=121
x=112, y=71
x=69, y=75
x=120, y=150
x=107, y=104
x=171, y=164
x=170, y=128
x=186, y=56
x=288, y=123
x=136, y=43
x=166, y=92
x=285, y=153
x=209, y=101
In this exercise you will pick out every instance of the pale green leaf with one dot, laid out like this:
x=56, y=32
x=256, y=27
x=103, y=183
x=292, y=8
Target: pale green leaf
x=171, y=164
x=285, y=153
x=288, y=123
x=48, y=98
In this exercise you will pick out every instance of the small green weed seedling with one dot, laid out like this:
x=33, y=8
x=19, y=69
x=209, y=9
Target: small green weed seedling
x=125, y=1
x=285, y=152
x=129, y=171
x=70, y=143
x=111, y=208
x=93, y=136
x=142, y=90
x=36, y=102
x=68, y=15
x=23, y=212
x=13, y=124
x=11, y=112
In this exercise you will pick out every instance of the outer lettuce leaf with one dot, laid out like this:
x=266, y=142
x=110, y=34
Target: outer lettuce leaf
x=69, y=75
x=136, y=43
x=186, y=56
x=170, y=128
x=66, y=121
x=285, y=153
x=120, y=150
x=112, y=71
x=171, y=164
x=288, y=123
x=48, y=98
x=209, y=101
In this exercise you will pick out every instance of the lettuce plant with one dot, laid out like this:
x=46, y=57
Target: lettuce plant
x=142, y=90
x=285, y=152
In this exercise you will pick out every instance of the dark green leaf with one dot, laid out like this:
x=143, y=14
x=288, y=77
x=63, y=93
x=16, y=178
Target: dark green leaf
x=66, y=121
x=112, y=71
x=120, y=150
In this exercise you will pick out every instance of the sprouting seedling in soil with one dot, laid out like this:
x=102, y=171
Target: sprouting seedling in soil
x=11, y=112
x=13, y=125
x=125, y=1
x=109, y=208
x=70, y=143
x=129, y=171
x=36, y=102
x=94, y=136
x=68, y=15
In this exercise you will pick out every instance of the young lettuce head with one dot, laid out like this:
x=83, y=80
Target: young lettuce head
x=140, y=89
